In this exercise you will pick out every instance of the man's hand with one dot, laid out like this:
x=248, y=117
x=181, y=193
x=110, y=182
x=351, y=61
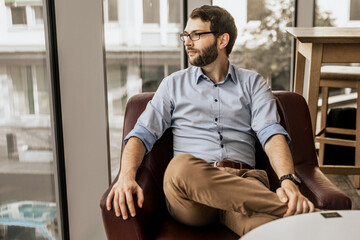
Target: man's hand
x=297, y=203
x=122, y=194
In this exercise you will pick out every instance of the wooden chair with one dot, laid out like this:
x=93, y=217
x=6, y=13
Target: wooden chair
x=339, y=77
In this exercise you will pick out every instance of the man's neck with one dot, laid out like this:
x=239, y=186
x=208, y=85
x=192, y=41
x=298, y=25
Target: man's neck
x=217, y=70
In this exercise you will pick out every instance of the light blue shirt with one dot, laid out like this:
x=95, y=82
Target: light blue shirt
x=211, y=121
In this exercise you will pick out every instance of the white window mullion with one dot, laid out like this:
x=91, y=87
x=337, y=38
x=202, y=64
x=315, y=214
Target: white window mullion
x=164, y=13
x=30, y=15
x=35, y=90
x=106, y=10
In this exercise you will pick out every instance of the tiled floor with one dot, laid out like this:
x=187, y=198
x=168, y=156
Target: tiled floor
x=345, y=183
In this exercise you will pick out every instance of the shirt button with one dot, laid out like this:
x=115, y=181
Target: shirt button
x=215, y=85
x=216, y=119
x=222, y=145
x=216, y=100
x=221, y=137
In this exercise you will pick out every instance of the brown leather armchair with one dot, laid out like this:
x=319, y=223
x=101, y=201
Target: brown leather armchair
x=153, y=220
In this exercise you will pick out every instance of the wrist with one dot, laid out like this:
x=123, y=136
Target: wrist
x=290, y=177
x=127, y=175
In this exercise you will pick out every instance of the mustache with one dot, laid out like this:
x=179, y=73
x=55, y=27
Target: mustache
x=192, y=49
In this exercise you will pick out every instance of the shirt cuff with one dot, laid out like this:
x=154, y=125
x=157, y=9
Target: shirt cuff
x=144, y=135
x=268, y=131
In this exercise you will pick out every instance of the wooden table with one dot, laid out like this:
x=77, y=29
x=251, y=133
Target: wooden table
x=338, y=225
x=321, y=45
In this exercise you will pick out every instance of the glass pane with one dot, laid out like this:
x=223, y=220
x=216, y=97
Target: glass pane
x=262, y=44
x=113, y=10
x=174, y=11
x=254, y=10
x=331, y=13
x=18, y=15
x=354, y=10
x=138, y=56
x=151, y=10
x=38, y=11
x=28, y=208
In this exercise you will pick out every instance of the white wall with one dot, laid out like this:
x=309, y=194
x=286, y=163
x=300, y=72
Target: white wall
x=83, y=97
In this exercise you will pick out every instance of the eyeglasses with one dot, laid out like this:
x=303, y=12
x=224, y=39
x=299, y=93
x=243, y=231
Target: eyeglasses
x=194, y=36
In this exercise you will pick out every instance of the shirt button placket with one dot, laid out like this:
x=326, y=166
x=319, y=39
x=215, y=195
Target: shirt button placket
x=216, y=104
x=217, y=119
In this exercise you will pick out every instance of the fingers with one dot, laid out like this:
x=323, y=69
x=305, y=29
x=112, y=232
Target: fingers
x=299, y=205
x=140, y=197
x=292, y=206
x=130, y=204
x=282, y=195
x=116, y=204
x=123, y=208
x=109, y=200
x=305, y=207
x=311, y=206
x=123, y=200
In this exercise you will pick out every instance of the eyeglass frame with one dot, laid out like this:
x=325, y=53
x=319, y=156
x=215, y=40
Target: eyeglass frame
x=184, y=35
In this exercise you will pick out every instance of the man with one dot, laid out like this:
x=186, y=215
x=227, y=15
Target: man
x=216, y=112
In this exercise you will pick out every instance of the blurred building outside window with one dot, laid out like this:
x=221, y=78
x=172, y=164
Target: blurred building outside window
x=24, y=13
x=262, y=44
x=28, y=208
x=142, y=47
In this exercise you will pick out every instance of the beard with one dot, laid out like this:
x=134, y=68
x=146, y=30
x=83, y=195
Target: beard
x=206, y=56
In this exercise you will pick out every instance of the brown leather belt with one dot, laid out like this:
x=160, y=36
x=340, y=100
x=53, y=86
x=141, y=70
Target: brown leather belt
x=230, y=164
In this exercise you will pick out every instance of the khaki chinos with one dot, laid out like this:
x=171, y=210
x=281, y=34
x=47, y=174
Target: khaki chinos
x=198, y=194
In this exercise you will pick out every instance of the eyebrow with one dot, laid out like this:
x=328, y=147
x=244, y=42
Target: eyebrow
x=196, y=31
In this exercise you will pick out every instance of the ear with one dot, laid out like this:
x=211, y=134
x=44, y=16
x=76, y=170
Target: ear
x=223, y=40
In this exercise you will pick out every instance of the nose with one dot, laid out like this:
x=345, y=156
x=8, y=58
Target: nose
x=188, y=42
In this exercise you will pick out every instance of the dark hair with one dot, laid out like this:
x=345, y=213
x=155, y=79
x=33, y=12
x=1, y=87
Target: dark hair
x=220, y=20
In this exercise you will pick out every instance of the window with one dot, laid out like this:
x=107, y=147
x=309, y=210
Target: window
x=331, y=13
x=151, y=11
x=22, y=85
x=174, y=11
x=27, y=164
x=264, y=47
x=18, y=15
x=254, y=10
x=38, y=13
x=140, y=52
x=113, y=10
x=117, y=93
x=354, y=10
x=151, y=76
x=30, y=93
x=25, y=12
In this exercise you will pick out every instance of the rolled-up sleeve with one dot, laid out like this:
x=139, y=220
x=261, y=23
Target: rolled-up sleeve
x=269, y=130
x=156, y=118
x=144, y=135
x=265, y=118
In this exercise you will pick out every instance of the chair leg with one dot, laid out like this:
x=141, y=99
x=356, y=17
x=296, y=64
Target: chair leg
x=324, y=109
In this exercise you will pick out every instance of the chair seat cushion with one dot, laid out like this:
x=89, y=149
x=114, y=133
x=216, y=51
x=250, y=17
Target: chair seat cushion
x=171, y=229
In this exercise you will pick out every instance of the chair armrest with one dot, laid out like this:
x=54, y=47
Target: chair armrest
x=320, y=190
x=147, y=220
x=150, y=217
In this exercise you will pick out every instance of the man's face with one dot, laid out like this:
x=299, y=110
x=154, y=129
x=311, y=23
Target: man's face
x=203, y=51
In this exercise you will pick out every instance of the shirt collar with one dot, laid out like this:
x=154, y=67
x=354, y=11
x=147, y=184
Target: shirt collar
x=231, y=76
